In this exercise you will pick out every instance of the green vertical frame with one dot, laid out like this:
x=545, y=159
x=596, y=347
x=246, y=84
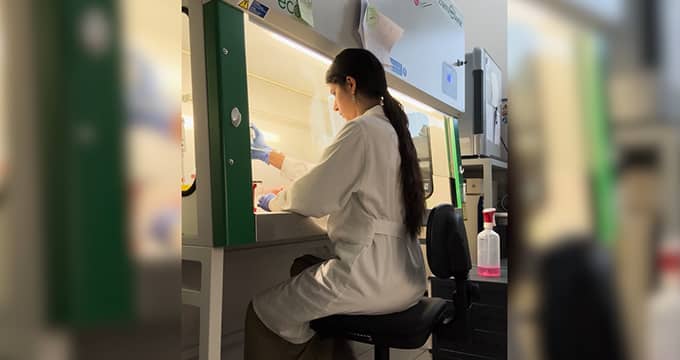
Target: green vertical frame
x=82, y=158
x=598, y=133
x=453, y=144
x=230, y=167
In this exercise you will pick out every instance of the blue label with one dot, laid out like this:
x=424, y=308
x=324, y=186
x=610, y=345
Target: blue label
x=449, y=81
x=397, y=68
x=258, y=9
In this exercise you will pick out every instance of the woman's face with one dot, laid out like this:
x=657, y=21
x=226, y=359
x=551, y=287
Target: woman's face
x=344, y=102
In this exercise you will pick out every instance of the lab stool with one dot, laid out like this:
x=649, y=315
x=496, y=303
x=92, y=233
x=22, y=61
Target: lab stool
x=408, y=329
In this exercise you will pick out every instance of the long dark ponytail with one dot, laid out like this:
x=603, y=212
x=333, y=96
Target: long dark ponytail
x=369, y=75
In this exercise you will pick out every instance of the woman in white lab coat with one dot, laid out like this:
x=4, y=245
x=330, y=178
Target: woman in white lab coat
x=369, y=183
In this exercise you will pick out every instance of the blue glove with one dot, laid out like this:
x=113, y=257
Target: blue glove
x=259, y=150
x=264, y=200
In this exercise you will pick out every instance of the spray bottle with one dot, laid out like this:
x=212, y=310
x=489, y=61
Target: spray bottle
x=489, y=247
x=664, y=306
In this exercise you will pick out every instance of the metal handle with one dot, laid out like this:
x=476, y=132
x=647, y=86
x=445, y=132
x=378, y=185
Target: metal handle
x=235, y=117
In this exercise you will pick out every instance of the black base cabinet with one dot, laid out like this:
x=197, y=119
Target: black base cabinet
x=488, y=318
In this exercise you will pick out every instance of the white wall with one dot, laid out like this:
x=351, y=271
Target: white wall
x=486, y=26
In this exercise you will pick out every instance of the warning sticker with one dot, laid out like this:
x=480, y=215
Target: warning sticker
x=244, y=4
x=259, y=9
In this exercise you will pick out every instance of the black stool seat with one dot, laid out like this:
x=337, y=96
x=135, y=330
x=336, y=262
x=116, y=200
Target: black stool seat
x=448, y=257
x=408, y=329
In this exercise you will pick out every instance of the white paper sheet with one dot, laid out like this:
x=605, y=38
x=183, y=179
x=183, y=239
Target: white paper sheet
x=364, y=4
x=306, y=13
x=378, y=32
x=490, y=119
x=493, y=132
x=497, y=128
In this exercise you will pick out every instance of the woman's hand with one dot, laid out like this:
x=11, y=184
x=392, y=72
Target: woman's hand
x=259, y=150
x=264, y=200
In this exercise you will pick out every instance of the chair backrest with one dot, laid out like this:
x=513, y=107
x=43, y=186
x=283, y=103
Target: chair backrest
x=448, y=253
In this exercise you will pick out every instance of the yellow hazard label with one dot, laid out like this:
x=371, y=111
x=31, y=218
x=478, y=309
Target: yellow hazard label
x=244, y=4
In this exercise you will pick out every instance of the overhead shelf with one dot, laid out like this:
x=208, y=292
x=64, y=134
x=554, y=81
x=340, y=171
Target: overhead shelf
x=481, y=162
x=487, y=166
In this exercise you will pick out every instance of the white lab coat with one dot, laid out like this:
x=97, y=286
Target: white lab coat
x=377, y=268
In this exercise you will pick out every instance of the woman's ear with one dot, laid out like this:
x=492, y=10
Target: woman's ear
x=351, y=85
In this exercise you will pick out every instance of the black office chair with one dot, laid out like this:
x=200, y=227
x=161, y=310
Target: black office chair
x=448, y=256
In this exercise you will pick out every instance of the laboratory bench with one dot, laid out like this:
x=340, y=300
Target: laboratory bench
x=210, y=276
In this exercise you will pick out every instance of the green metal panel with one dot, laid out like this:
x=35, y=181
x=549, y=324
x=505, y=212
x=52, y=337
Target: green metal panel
x=453, y=144
x=231, y=174
x=598, y=134
x=89, y=274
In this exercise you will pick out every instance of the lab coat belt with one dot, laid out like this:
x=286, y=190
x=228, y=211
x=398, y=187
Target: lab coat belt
x=389, y=228
x=399, y=230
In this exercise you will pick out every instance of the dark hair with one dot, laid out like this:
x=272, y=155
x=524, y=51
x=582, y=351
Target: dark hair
x=369, y=75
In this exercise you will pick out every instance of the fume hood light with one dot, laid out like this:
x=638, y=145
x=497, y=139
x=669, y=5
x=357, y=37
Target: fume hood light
x=188, y=122
x=411, y=101
x=271, y=137
x=327, y=61
x=301, y=48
